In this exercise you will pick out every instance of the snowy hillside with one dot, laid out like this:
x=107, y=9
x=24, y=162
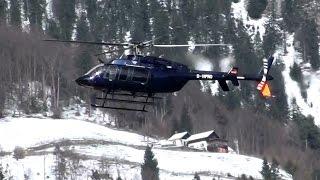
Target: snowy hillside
x=124, y=150
x=309, y=106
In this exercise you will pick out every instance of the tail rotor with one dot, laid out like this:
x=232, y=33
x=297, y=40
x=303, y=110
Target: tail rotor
x=263, y=86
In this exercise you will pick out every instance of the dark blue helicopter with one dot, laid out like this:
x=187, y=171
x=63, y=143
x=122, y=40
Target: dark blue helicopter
x=141, y=76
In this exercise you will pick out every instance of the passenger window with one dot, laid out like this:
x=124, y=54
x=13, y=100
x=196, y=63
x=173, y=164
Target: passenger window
x=140, y=75
x=106, y=74
x=112, y=72
x=124, y=73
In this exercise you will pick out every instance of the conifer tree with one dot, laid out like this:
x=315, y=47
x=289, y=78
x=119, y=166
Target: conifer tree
x=308, y=131
x=160, y=24
x=1, y=173
x=149, y=169
x=231, y=99
x=274, y=169
x=271, y=38
x=316, y=174
x=19, y=153
x=280, y=106
x=245, y=56
x=296, y=73
x=309, y=37
x=3, y=11
x=179, y=34
x=185, y=122
x=35, y=10
x=65, y=13
x=175, y=126
x=291, y=14
x=187, y=10
x=3, y=90
x=265, y=172
x=255, y=8
x=141, y=23
x=15, y=13
x=82, y=31
x=83, y=61
x=196, y=176
x=97, y=18
x=290, y=167
x=92, y=10
x=53, y=29
x=258, y=46
x=60, y=169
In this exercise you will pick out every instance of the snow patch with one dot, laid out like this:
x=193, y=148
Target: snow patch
x=253, y=25
x=49, y=9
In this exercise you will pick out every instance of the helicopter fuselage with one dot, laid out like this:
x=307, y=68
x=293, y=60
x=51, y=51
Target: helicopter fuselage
x=144, y=74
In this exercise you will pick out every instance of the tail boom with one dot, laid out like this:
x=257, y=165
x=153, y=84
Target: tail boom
x=263, y=77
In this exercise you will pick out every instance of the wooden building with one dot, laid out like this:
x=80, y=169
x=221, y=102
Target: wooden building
x=208, y=141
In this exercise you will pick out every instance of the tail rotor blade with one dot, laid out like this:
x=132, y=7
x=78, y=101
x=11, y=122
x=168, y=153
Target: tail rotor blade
x=266, y=92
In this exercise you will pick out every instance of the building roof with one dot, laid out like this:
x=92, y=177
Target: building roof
x=200, y=135
x=179, y=136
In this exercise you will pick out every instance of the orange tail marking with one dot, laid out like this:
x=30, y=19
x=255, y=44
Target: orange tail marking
x=266, y=91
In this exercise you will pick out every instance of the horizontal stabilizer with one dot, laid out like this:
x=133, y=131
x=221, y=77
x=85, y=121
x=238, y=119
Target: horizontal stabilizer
x=233, y=73
x=223, y=85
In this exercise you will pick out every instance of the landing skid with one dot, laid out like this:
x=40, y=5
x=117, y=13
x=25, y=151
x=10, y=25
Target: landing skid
x=116, y=98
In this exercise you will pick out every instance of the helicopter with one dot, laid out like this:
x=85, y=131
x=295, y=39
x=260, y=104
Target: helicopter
x=141, y=76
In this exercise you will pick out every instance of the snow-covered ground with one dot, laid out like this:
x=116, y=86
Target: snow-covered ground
x=125, y=150
x=311, y=105
x=28, y=132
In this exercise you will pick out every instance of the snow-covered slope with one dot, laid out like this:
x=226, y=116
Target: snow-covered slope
x=124, y=149
x=28, y=132
x=311, y=105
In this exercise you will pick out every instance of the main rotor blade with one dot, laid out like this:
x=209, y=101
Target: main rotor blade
x=188, y=45
x=150, y=42
x=89, y=42
x=109, y=52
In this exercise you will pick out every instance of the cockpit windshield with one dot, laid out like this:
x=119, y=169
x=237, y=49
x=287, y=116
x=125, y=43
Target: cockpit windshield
x=96, y=70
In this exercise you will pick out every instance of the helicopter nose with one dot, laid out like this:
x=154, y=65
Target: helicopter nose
x=83, y=81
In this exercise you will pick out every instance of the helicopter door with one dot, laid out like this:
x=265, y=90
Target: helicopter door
x=124, y=73
x=140, y=75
